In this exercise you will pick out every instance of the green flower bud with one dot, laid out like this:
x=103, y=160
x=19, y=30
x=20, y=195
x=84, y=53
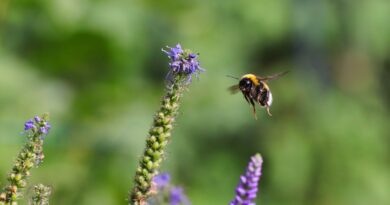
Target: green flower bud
x=152, y=138
x=160, y=115
x=168, y=127
x=145, y=172
x=145, y=186
x=148, y=177
x=149, y=152
x=149, y=165
x=21, y=183
x=29, y=164
x=18, y=177
x=163, y=144
x=156, y=164
x=156, y=155
x=140, y=179
x=147, y=158
x=155, y=146
x=14, y=198
x=29, y=154
x=162, y=138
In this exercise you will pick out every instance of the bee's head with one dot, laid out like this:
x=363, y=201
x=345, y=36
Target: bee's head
x=245, y=84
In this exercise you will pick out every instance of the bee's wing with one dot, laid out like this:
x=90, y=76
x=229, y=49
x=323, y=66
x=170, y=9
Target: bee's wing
x=272, y=77
x=234, y=89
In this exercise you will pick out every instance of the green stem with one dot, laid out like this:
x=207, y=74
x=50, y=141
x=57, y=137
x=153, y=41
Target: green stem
x=159, y=135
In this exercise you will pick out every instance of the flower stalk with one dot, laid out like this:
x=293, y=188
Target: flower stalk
x=41, y=195
x=30, y=156
x=182, y=65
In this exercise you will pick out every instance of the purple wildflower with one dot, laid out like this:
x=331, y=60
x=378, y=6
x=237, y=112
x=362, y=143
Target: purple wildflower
x=247, y=187
x=37, y=119
x=44, y=130
x=183, y=63
x=162, y=180
x=29, y=125
x=45, y=126
x=38, y=122
x=174, y=53
x=166, y=193
x=177, y=197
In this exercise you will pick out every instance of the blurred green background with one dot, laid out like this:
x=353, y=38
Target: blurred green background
x=97, y=67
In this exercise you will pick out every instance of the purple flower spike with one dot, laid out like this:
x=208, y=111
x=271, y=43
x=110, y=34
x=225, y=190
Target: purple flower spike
x=183, y=63
x=247, y=187
x=29, y=125
x=162, y=180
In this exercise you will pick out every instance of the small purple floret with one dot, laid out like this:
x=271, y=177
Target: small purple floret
x=191, y=55
x=174, y=53
x=44, y=127
x=44, y=130
x=162, y=180
x=178, y=197
x=37, y=119
x=248, y=185
x=170, y=194
x=29, y=125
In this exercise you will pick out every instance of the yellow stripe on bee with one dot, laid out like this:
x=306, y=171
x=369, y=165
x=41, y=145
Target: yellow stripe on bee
x=265, y=85
x=252, y=77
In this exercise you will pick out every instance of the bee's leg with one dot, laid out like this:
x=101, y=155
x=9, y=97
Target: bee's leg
x=246, y=98
x=253, y=107
x=251, y=103
x=258, y=98
x=267, y=108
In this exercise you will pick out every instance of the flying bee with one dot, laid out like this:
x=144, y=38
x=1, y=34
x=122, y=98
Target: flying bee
x=255, y=90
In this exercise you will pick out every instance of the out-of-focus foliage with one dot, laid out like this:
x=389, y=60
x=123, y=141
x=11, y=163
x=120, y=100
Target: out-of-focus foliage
x=96, y=66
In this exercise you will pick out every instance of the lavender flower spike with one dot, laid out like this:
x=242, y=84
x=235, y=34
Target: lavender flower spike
x=247, y=187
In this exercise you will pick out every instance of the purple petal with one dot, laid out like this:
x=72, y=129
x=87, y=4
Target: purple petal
x=37, y=119
x=182, y=63
x=162, y=180
x=29, y=125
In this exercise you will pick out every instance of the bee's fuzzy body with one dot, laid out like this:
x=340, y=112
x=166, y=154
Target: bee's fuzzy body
x=256, y=90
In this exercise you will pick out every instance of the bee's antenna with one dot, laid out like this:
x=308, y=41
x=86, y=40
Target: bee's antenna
x=232, y=77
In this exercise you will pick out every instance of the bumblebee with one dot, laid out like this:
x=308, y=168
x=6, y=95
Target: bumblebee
x=255, y=90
